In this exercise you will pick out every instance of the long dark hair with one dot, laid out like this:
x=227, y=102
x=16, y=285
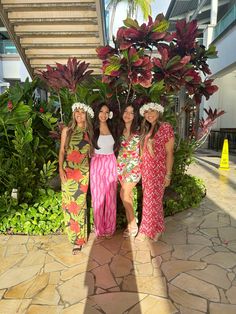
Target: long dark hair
x=96, y=126
x=72, y=126
x=135, y=123
x=146, y=127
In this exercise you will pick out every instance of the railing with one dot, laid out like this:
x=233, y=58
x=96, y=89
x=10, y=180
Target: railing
x=216, y=139
x=226, y=21
x=7, y=47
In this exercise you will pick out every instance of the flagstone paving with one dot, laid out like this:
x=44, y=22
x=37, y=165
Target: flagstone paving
x=191, y=270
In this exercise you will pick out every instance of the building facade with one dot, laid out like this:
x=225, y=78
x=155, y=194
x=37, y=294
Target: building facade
x=217, y=25
x=12, y=69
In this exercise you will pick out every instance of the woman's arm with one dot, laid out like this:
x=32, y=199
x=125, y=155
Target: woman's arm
x=169, y=147
x=62, y=155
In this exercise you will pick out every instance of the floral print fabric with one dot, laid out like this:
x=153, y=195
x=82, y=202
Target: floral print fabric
x=74, y=190
x=153, y=169
x=128, y=161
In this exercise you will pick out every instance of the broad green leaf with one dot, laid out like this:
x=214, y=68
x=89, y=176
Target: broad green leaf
x=111, y=68
x=161, y=27
x=172, y=62
x=20, y=114
x=131, y=23
x=211, y=52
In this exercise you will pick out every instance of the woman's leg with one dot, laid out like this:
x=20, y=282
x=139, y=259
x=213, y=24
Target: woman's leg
x=152, y=214
x=126, y=194
x=110, y=173
x=98, y=188
x=75, y=212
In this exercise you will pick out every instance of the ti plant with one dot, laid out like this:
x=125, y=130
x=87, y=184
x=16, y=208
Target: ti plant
x=205, y=125
x=147, y=54
x=66, y=77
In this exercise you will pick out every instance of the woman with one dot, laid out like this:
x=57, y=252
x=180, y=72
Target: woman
x=157, y=144
x=103, y=174
x=74, y=153
x=128, y=166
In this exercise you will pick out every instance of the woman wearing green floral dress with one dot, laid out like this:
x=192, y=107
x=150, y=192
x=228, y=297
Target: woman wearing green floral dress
x=74, y=173
x=128, y=165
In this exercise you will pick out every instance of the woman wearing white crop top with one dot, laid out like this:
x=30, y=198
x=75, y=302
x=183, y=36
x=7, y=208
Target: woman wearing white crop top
x=103, y=174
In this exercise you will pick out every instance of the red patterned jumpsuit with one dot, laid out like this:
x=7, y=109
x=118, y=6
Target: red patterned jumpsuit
x=153, y=170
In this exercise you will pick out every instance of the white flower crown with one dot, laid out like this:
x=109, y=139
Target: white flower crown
x=151, y=105
x=86, y=108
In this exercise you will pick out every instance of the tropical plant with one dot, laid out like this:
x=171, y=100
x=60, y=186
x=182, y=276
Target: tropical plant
x=205, y=125
x=44, y=216
x=132, y=8
x=27, y=154
x=147, y=63
x=65, y=79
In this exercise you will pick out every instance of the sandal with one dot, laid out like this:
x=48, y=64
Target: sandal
x=156, y=238
x=76, y=249
x=108, y=236
x=130, y=232
x=140, y=237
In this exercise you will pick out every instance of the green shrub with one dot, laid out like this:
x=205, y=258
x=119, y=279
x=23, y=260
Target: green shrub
x=43, y=217
x=186, y=193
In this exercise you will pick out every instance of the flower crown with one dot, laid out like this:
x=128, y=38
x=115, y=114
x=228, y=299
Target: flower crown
x=86, y=108
x=151, y=105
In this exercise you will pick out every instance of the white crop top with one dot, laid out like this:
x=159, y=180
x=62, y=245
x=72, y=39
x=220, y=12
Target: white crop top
x=106, y=143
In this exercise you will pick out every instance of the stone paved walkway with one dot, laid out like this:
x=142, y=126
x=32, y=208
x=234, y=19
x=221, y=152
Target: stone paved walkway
x=191, y=270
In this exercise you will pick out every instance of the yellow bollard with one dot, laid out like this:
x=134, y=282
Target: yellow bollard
x=224, y=161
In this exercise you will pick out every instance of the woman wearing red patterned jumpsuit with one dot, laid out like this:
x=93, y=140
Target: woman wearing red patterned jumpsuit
x=157, y=145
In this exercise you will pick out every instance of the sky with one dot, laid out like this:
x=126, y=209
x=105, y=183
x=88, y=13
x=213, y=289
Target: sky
x=160, y=6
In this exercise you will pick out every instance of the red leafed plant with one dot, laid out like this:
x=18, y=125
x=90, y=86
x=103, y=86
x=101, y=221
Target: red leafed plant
x=199, y=89
x=172, y=70
x=185, y=37
x=104, y=52
x=147, y=53
x=65, y=81
x=145, y=35
x=66, y=76
x=205, y=125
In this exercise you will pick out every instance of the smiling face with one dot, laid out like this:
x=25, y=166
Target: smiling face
x=80, y=117
x=103, y=114
x=128, y=115
x=151, y=116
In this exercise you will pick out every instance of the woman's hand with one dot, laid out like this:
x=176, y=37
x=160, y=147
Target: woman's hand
x=62, y=174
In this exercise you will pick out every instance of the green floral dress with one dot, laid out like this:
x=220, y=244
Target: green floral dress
x=74, y=190
x=128, y=161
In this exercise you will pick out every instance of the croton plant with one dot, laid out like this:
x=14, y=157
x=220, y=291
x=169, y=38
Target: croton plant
x=148, y=63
